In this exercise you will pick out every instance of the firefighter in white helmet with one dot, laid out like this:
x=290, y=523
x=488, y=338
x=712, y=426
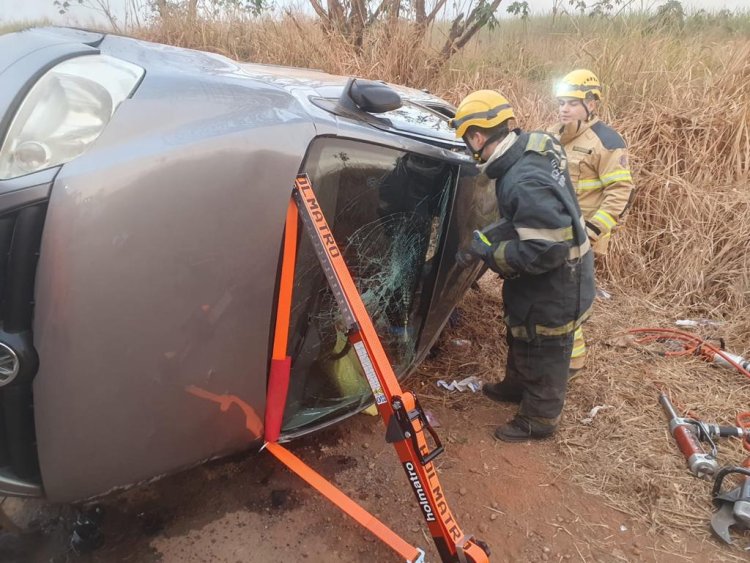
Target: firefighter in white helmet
x=543, y=253
x=598, y=165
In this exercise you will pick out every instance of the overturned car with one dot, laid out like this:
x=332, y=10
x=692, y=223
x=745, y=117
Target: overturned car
x=143, y=196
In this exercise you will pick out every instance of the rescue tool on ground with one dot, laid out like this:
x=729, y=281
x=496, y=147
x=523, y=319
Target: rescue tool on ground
x=733, y=506
x=687, y=433
x=406, y=425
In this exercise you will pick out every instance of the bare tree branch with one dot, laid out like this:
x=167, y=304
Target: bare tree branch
x=337, y=15
x=467, y=29
x=394, y=11
x=319, y=9
x=356, y=22
x=439, y=6
x=376, y=14
x=352, y=19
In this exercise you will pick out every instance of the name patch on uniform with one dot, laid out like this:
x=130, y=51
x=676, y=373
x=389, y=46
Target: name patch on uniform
x=557, y=173
x=581, y=149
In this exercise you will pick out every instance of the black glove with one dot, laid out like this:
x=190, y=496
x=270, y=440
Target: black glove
x=479, y=249
x=466, y=259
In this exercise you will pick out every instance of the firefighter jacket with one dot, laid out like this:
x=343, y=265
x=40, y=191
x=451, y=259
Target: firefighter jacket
x=546, y=259
x=598, y=166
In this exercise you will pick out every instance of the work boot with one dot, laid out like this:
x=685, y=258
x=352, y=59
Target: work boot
x=521, y=429
x=503, y=392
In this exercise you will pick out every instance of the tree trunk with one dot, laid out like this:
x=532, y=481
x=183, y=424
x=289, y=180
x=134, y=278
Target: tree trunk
x=460, y=33
x=357, y=20
x=192, y=10
x=161, y=7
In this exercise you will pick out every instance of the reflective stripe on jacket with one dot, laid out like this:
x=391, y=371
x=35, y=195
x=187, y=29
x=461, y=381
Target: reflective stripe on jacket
x=547, y=263
x=599, y=168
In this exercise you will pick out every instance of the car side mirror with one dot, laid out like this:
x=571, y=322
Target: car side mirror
x=369, y=96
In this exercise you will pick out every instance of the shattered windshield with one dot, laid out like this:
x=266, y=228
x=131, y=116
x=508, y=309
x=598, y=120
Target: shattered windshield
x=418, y=119
x=386, y=209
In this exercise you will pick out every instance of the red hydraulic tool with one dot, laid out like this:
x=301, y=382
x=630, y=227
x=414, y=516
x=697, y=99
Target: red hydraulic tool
x=406, y=424
x=687, y=434
x=734, y=505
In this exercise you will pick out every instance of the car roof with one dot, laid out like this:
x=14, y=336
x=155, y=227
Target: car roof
x=423, y=116
x=326, y=84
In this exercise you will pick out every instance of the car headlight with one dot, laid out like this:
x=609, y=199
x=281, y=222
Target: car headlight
x=65, y=111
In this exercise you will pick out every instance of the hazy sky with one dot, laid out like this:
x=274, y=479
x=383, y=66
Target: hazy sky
x=18, y=10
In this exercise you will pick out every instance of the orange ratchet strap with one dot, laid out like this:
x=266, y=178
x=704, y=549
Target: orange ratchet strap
x=281, y=364
x=406, y=424
x=410, y=553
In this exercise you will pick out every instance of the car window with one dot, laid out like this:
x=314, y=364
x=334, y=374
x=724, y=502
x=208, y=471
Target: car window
x=387, y=209
x=421, y=121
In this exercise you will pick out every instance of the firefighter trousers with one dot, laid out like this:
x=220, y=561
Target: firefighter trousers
x=539, y=368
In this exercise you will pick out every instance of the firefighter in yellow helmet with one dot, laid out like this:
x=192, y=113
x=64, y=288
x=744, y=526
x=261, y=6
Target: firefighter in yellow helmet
x=541, y=250
x=598, y=165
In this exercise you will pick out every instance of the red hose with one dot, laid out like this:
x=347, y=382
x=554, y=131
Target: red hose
x=693, y=344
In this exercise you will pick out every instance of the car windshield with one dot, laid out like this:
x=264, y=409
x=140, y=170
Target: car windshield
x=386, y=209
x=419, y=120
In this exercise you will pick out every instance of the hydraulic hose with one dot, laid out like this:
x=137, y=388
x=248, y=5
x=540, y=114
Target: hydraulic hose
x=693, y=345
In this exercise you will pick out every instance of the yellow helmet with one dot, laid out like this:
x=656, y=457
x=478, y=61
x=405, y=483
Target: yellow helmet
x=581, y=84
x=484, y=109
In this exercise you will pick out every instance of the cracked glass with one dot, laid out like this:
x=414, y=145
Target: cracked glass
x=387, y=210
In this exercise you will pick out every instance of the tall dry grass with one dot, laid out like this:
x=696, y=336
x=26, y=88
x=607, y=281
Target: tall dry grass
x=683, y=104
x=680, y=98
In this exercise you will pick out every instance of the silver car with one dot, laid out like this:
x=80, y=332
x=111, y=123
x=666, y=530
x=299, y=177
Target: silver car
x=143, y=196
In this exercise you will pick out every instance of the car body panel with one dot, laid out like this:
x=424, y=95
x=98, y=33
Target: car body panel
x=160, y=253
x=158, y=259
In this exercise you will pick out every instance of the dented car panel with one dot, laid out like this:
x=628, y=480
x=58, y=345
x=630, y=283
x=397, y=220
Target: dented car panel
x=159, y=252
x=157, y=263
x=154, y=272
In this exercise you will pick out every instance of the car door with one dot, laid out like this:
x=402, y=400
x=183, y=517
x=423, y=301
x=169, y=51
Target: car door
x=388, y=209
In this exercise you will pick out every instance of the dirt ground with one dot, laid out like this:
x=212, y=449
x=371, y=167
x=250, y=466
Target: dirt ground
x=516, y=497
x=524, y=500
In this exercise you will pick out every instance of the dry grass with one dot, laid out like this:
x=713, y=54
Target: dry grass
x=681, y=100
x=295, y=40
x=684, y=108
x=683, y=103
x=626, y=454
